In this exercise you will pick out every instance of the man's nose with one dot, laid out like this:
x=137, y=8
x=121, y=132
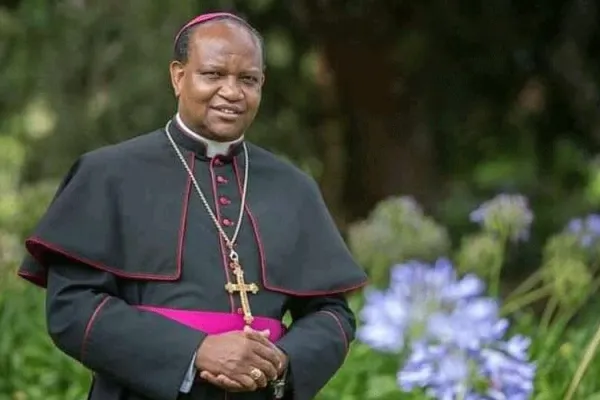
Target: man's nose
x=231, y=89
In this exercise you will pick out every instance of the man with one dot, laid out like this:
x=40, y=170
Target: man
x=170, y=259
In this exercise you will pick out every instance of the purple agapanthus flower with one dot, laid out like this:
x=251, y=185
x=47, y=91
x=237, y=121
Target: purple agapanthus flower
x=446, y=372
x=586, y=228
x=452, y=333
x=471, y=325
x=506, y=215
x=509, y=374
x=393, y=317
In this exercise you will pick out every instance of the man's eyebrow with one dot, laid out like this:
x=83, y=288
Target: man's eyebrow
x=212, y=64
x=253, y=69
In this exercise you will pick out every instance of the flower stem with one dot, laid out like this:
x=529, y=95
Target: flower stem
x=549, y=310
x=526, y=299
x=528, y=284
x=495, y=279
x=588, y=356
x=495, y=282
x=462, y=394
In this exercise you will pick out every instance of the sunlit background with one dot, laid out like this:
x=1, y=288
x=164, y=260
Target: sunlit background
x=411, y=115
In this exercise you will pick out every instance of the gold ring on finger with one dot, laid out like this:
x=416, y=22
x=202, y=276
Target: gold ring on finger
x=256, y=374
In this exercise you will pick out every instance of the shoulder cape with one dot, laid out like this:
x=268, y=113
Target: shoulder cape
x=87, y=222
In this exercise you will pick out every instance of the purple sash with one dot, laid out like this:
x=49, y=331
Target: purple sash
x=216, y=322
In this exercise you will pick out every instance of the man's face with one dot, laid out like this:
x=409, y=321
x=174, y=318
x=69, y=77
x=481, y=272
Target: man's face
x=219, y=87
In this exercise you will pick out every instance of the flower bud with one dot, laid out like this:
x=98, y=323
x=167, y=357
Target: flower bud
x=569, y=279
x=507, y=216
x=481, y=254
x=396, y=231
x=564, y=245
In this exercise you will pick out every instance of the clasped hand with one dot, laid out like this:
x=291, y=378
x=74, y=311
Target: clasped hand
x=228, y=360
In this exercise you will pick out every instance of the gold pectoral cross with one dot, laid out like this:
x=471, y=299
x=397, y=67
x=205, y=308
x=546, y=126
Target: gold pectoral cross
x=242, y=287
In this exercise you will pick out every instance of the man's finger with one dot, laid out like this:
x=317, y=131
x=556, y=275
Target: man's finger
x=207, y=376
x=230, y=384
x=277, y=354
x=265, y=359
x=260, y=336
x=282, y=360
x=222, y=381
x=262, y=382
x=265, y=333
x=268, y=369
x=248, y=383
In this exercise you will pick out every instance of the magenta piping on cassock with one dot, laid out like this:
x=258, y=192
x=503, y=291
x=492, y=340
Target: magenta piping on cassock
x=214, y=323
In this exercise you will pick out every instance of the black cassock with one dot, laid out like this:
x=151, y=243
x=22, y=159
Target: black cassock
x=127, y=237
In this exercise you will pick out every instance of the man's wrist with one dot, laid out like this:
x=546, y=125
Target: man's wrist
x=200, y=362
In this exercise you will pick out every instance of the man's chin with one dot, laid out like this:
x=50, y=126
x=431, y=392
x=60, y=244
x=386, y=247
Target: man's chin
x=222, y=132
x=225, y=135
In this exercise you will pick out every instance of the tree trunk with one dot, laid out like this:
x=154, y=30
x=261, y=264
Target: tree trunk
x=388, y=150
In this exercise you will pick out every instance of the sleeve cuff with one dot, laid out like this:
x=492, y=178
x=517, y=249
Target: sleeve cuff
x=190, y=376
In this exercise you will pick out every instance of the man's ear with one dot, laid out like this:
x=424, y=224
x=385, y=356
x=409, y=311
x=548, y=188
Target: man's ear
x=263, y=77
x=176, y=68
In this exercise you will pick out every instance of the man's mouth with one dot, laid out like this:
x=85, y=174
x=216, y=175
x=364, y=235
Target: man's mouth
x=229, y=110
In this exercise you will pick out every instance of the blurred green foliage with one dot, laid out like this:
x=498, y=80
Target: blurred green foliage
x=31, y=368
x=435, y=100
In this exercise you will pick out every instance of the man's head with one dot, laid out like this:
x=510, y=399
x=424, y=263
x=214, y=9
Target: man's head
x=217, y=74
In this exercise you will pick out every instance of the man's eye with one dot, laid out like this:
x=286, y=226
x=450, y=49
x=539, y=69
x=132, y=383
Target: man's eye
x=212, y=74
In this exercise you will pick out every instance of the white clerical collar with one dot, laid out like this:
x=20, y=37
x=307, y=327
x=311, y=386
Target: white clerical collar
x=213, y=148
